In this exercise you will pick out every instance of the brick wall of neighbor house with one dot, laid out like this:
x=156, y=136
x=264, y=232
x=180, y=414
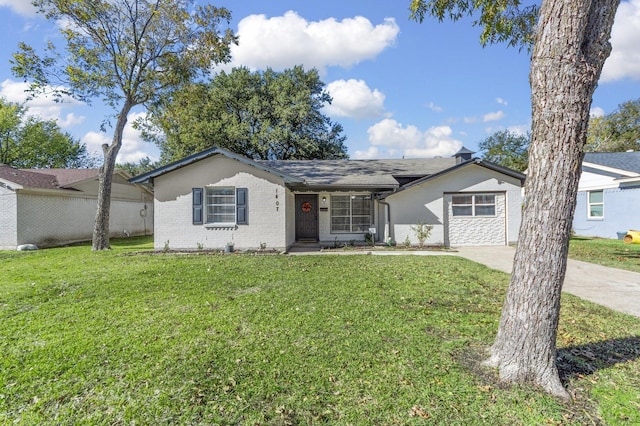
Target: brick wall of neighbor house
x=8, y=223
x=621, y=207
x=47, y=220
x=173, y=206
x=426, y=203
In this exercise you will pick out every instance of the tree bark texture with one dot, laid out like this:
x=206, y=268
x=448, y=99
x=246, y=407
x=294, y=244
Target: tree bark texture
x=570, y=46
x=101, y=226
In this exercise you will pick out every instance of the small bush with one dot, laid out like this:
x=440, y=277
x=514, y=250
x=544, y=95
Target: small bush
x=422, y=231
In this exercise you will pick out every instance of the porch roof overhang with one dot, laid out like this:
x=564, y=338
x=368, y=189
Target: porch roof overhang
x=304, y=187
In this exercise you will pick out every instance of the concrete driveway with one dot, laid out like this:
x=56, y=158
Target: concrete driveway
x=613, y=288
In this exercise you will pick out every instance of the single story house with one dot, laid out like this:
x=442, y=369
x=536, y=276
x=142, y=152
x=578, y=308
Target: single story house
x=52, y=207
x=217, y=197
x=608, y=194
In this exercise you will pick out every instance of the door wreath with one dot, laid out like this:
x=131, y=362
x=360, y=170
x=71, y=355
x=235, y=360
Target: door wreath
x=306, y=207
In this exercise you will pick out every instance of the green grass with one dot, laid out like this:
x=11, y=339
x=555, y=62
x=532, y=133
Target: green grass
x=131, y=337
x=613, y=253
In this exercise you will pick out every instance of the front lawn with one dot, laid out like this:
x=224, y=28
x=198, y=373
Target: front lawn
x=613, y=253
x=125, y=337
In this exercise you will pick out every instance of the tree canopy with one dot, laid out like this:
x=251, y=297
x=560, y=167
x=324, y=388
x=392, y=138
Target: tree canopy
x=500, y=21
x=137, y=168
x=124, y=53
x=29, y=142
x=618, y=131
x=262, y=115
x=507, y=149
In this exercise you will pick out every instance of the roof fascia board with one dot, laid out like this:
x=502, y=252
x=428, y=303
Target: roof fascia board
x=628, y=179
x=149, y=176
x=609, y=169
x=482, y=163
x=9, y=184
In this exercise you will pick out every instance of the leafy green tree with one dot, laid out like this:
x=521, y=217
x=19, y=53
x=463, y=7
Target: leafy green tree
x=570, y=44
x=142, y=166
x=262, y=115
x=507, y=149
x=126, y=53
x=28, y=142
x=616, y=132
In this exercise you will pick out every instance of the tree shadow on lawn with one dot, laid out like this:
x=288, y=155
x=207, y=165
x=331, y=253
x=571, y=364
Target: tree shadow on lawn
x=628, y=254
x=581, y=360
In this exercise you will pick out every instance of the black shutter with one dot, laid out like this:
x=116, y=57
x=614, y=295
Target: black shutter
x=242, y=214
x=196, y=194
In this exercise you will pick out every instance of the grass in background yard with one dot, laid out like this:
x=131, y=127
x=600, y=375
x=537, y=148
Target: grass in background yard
x=613, y=253
x=121, y=337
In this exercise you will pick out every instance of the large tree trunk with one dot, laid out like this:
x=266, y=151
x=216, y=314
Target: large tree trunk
x=570, y=47
x=101, y=226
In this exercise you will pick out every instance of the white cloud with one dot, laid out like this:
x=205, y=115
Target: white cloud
x=519, y=129
x=410, y=141
x=42, y=106
x=596, y=112
x=435, y=108
x=625, y=55
x=353, y=98
x=493, y=116
x=372, y=153
x=21, y=7
x=470, y=120
x=284, y=41
x=502, y=101
x=133, y=147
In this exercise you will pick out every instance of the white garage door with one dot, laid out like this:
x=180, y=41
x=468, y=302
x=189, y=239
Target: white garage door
x=477, y=219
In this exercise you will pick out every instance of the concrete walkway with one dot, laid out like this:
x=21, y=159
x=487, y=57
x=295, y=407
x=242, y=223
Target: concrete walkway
x=614, y=288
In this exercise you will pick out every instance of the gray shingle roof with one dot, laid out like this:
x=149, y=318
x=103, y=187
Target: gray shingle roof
x=629, y=161
x=359, y=172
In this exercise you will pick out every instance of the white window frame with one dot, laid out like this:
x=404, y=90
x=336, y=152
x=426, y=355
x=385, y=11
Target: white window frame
x=352, y=197
x=208, y=192
x=474, y=204
x=590, y=204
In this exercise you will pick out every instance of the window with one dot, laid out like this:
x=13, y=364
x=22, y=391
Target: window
x=473, y=205
x=350, y=213
x=220, y=206
x=596, y=205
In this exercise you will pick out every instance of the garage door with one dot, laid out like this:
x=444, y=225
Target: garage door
x=476, y=219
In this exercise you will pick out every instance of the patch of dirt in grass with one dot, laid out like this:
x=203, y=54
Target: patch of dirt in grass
x=580, y=410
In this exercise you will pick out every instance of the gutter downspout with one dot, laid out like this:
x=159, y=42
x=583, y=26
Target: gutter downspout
x=387, y=225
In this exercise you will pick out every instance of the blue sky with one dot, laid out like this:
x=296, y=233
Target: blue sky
x=400, y=88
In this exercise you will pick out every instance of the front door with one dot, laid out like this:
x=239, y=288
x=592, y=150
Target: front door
x=306, y=217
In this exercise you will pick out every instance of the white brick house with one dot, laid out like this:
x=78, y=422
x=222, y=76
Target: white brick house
x=217, y=197
x=52, y=207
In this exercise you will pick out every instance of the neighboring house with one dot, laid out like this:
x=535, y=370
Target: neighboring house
x=608, y=194
x=217, y=197
x=52, y=207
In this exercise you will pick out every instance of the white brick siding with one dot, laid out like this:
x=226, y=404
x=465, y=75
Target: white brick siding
x=8, y=222
x=47, y=220
x=267, y=200
x=427, y=203
x=479, y=230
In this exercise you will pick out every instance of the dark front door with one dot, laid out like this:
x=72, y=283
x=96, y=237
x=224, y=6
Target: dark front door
x=306, y=217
